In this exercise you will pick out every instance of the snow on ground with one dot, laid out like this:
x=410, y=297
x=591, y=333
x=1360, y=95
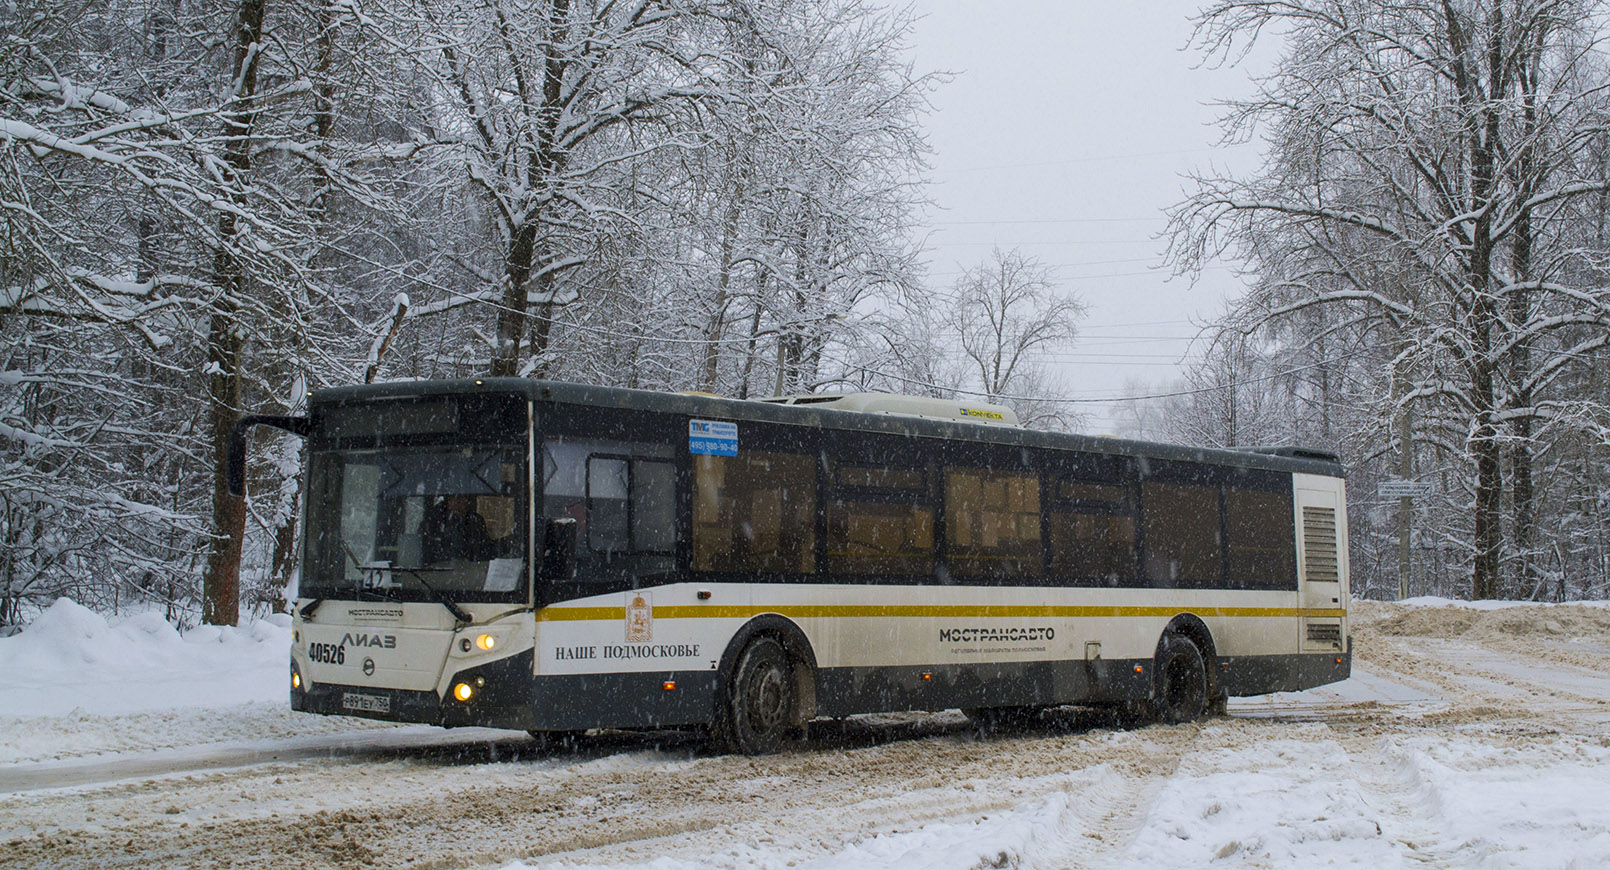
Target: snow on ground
x=80, y=685
x=1468, y=737
x=73, y=658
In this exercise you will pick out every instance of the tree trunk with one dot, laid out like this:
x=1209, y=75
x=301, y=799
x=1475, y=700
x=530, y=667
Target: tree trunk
x=1481, y=138
x=1527, y=172
x=1523, y=507
x=717, y=324
x=512, y=314
x=221, y=581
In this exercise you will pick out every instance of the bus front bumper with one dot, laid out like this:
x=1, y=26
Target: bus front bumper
x=505, y=694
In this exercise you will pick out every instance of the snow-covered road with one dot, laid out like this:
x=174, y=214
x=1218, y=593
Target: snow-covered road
x=1467, y=737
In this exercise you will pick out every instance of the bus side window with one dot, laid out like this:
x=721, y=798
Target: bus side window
x=755, y=512
x=992, y=520
x=1092, y=533
x=653, y=506
x=1183, y=546
x=1262, y=545
x=631, y=504
x=880, y=520
x=608, y=481
x=622, y=496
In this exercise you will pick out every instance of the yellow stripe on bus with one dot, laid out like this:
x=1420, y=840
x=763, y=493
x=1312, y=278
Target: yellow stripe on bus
x=906, y=611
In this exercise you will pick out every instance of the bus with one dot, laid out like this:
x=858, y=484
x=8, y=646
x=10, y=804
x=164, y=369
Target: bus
x=556, y=557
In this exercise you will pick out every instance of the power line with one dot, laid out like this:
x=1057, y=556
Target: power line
x=1092, y=263
x=1103, y=158
x=1042, y=244
x=1108, y=400
x=1044, y=221
x=1138, y=323
x=1090, y=277
x=1087, y=341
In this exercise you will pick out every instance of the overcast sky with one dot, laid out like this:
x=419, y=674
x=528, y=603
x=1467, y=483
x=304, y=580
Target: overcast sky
x=1067, y=130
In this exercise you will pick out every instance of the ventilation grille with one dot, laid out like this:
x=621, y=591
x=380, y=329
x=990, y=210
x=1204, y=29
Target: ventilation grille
x=1319, y=544
x=1325, y=632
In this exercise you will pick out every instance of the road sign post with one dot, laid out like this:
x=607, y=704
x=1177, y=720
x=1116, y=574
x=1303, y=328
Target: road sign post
x=1404, y=490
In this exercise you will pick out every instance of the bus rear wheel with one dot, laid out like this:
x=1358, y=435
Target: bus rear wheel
x=759, y=710
x=1182, y=691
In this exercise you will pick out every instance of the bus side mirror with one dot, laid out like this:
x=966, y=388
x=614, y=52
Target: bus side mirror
x=235, y=460
x=558, y=563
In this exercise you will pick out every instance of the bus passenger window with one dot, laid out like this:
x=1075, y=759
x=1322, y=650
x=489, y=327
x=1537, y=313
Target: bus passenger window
x=1093, y=534
x=1262, y=546
x=993, y=523
x=1182, y=535
x=880, y=521
x=755, y=512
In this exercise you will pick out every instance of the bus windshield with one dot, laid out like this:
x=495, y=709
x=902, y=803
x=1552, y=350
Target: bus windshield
x=417, y=524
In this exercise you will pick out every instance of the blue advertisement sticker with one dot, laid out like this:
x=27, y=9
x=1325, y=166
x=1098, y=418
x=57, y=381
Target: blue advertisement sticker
x=712, y=438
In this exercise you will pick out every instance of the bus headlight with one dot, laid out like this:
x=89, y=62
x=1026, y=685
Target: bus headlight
x=463, y=692
x=486, y=642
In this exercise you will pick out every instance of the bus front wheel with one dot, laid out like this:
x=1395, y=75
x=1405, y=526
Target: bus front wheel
x=759, y=709
x=1182, y=690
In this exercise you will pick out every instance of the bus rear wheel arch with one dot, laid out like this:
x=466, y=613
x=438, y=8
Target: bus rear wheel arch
x=1184, y=685
x=1182, y=680
x=1193, y=629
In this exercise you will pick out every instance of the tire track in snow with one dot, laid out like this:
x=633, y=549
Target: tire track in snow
x=806, y=803
x=887, y=780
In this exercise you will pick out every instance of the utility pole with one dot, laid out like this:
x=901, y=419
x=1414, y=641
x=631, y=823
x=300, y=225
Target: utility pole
x=1405, y=502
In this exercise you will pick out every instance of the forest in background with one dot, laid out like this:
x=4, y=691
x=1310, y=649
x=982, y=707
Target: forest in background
x=1425, y=251
x=210, y=206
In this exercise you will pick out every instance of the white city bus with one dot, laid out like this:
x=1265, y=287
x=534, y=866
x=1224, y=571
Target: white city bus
x=554, y=558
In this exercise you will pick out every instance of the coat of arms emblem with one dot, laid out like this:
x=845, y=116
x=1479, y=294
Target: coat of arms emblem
x=639, y=618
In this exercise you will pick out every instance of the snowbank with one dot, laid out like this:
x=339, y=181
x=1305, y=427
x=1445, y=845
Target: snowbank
x=72, y=660
x=1490, y=604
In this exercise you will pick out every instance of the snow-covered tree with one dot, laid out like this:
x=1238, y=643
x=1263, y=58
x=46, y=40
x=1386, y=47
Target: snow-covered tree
x=1422, y=205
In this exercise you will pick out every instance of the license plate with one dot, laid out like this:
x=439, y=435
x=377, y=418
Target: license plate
x=366, y=703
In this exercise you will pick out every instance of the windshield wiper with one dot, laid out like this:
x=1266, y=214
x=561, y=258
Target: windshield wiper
x=447, y=602
x=379, y=592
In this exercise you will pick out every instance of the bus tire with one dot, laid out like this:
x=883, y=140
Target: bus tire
x=758, y=713
x=1182, y=681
